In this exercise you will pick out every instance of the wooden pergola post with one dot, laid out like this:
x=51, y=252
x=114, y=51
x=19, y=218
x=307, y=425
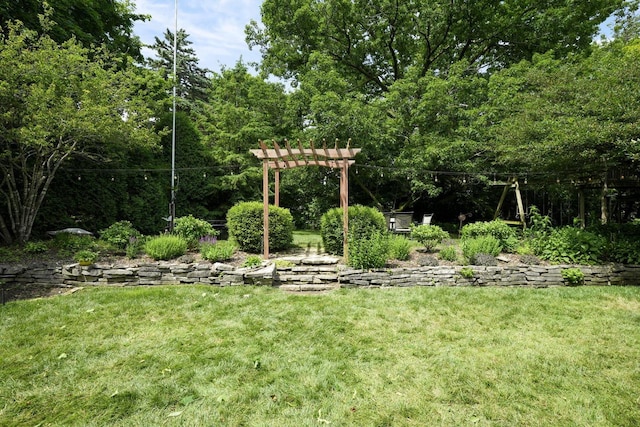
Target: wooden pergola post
x=265, y=201
x=287, y=157
x=344, y=203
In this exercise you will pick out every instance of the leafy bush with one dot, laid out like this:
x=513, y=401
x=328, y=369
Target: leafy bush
x=368, y=252
x=119, y=234
x=35, y=247
x=165, y=247
x=506, y=236
x=217, y=251
x=428, y=235
x=624, y=251
x=399, y=247
x=573, y=276
x=472, y=247
x=529, y=259
x=466, y=272
x=135, y=246
x=192, y=229
x=570, y=245
x=252, y=261
x=363, y=223
x=68, y=244
x=85, y=256
x=245, y=224
x=448, y=253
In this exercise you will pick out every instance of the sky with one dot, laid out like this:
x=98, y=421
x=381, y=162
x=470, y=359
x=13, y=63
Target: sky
x=215, y=28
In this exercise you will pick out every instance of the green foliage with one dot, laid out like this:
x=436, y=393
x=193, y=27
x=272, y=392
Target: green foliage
x=363, y=222
x=217, y=251
x=245, y=224
x=624, y=250
x=573, y=276
x=119, y=234
x=448, y=253
x=466, y=272
x=399, y=247
x=165, y=247
x=472, y=247
x=192, y=229
x=135, y=246
x=505, y=235
x=429, y=236
x=85, y=257
x=67, y=243
x=252, y=261
x=368, y=252
x=571, y=246
x=35, y=247
x=283, y=263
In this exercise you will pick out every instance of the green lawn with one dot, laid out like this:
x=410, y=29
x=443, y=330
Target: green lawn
x=198, y=355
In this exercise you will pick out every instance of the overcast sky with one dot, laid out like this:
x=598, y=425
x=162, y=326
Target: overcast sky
x=215, y=27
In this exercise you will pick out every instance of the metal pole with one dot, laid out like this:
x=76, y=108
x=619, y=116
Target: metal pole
x=172, y=204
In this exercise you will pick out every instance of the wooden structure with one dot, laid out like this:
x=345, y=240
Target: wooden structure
x=512, y=184
x=288, y=157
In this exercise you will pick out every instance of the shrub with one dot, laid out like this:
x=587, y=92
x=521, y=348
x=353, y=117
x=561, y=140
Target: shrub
x=165, y=247
x=192, y=229
x=134, y=247
x=35, y=247
x=252, y=261
x=428, y=235
x=363, y=223
x=85, y=257
x=119, y=234
x=624, y=251
x=529, y=259
x=245, y=224
x=68, y=244
x=399, y=247
x=506, y=236
x=218, y=251
x=570, y=245
x=487, y=245
x=466, y=272
x=368, y=252
x=573, y=276
x=448, y=253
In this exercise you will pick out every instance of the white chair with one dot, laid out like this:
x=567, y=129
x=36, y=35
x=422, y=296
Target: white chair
x=426, y=219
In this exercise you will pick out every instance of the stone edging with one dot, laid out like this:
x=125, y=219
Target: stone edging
x=312, y=273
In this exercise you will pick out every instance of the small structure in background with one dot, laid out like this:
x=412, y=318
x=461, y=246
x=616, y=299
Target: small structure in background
x=72, y=230
x=399, y=222
x=426, y=219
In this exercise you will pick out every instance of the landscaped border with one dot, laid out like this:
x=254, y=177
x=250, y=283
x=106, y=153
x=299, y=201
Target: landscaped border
x=314, y=273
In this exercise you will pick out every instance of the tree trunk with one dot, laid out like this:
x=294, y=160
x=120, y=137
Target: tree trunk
x=604, y=212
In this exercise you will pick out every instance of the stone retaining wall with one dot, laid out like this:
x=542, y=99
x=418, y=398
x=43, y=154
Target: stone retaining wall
x=315, y=273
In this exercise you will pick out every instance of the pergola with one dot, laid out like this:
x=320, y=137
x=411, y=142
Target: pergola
x=286, y=157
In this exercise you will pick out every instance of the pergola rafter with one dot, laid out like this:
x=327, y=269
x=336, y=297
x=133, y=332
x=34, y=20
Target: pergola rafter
x=286, y=157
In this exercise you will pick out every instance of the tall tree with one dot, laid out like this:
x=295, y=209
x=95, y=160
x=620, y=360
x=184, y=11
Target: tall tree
x=56, y=102
x=92, y=22
x=192, y=83
x=374, y=43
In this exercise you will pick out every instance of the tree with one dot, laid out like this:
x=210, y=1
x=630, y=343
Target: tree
x=374, y=43
x=241, y=110
x=192, y=82
x=96, y=22
x=57, y=102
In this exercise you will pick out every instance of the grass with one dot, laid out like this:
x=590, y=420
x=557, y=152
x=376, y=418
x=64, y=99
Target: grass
x=197, y=355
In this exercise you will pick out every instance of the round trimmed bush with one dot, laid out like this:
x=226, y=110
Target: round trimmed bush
x=363, y=223
x=245, y=224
